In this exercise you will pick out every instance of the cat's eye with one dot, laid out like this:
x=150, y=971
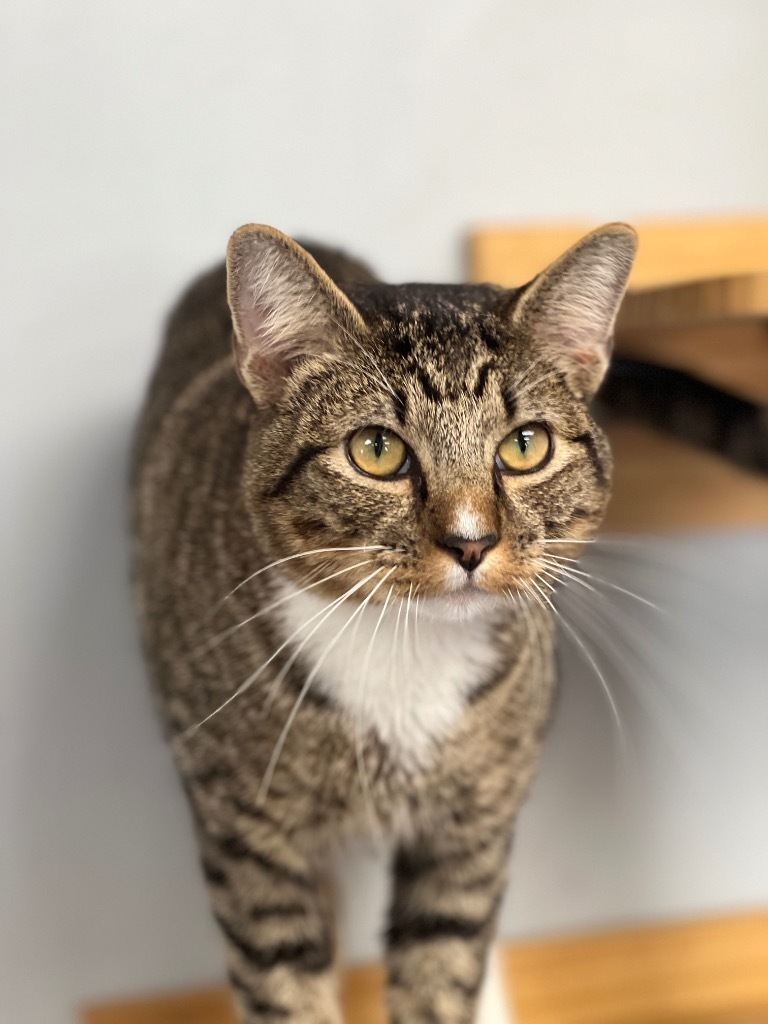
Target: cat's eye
x=527, y=448
x=378, y=452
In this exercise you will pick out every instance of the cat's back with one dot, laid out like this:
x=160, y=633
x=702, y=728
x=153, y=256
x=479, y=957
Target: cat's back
x=186, y=457
x=197, y=336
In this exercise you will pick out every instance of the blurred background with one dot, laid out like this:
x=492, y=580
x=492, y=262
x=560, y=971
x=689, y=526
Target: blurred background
x=136, y=137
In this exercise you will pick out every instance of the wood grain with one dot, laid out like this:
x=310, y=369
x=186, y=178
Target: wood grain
x=702, y=972
x=670, y=252
x=709, y=300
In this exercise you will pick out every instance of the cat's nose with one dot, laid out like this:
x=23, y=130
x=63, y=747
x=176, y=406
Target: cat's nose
x=470, y=553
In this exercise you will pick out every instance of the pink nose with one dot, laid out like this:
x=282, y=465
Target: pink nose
x=469, y=553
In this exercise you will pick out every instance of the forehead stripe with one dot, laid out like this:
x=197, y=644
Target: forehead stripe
x=510, y=402
x=588, y=442
x=429, y=388
x=306, y=454
x=400, y=405
x=482, y=379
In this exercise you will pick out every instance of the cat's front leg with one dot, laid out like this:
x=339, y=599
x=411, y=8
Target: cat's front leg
x=273, y=910
x=447, y=890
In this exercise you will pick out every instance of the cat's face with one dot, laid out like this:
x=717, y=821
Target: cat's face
x=437, y=438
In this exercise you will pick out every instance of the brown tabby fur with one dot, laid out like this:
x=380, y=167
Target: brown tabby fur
x=230, y=478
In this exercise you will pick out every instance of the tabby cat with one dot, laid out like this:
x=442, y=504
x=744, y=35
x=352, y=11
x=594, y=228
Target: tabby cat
x=352, y=501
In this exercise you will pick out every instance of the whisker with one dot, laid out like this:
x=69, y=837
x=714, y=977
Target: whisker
x=629, y=551
x=290, y=558
x=561, y=574
x=328, y=609
x=530, y=386
x=407, y=618
x=396, y=636
x=367, y=797
x=279, y=678
x=537, y=652
x=270, y=770
x=399, y=652
x=362, y=771
x=607, y=639
x=568, y=540
x=518, y=383
x=544, y=596
x=378, y=381
x=226, y=633
x=540, y=582
x=418, y=608
x=624, y=746
x=607, y=583
x=592, y=662
x=651, y=697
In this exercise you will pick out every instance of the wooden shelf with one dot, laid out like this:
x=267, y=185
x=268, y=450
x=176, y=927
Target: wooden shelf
x=698, y=302
x=731, y=355
x=702, y=972
x=671, y=252
x=661, y=485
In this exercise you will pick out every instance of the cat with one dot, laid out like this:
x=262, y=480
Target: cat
x=351, y=503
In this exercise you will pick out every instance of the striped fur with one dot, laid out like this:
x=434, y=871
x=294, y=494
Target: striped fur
x=416, y=705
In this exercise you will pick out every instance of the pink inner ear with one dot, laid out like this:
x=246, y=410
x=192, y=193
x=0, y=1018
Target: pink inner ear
x=579, y=347
x=585, y=356
x=256, y=367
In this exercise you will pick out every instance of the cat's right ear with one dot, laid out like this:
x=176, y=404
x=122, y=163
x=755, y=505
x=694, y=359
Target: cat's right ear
x=284, y=308
x=569, y=310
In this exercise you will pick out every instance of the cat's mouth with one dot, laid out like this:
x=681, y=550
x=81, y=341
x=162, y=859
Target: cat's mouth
x=463, y=584
x=466, y=602
x=464, y=596
x=469, y=586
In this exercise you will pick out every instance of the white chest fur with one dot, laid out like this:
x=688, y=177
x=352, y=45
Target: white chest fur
x=406, y=676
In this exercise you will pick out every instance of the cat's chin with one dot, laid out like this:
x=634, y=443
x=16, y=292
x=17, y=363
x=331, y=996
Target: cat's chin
x=461, y=605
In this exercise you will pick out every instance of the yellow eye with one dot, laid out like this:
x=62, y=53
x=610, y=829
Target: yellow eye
x=525, y=449
x=377, y=451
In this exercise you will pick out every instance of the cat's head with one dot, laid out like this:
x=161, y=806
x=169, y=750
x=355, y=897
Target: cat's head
x=420, y=439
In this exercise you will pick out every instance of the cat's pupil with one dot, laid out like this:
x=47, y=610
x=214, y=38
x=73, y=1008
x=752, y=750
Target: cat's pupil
x=524, y=440
x=378, y=444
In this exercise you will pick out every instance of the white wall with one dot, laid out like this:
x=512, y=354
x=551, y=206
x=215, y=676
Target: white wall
x=135, y=137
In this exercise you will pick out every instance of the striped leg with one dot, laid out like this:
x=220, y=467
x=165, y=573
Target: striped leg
x=274, y=914
x=447, y=893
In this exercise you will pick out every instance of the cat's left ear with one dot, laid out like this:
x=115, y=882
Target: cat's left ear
x=284, y=307
x=570, y=309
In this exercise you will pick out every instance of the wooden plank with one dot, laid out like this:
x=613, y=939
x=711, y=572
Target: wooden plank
x=670, y=251
x=206, y=1006
x=711, y=971
x=717, y=330
x=733, y=356
x=661, y=484
x=362, y=993
x=704, y=301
